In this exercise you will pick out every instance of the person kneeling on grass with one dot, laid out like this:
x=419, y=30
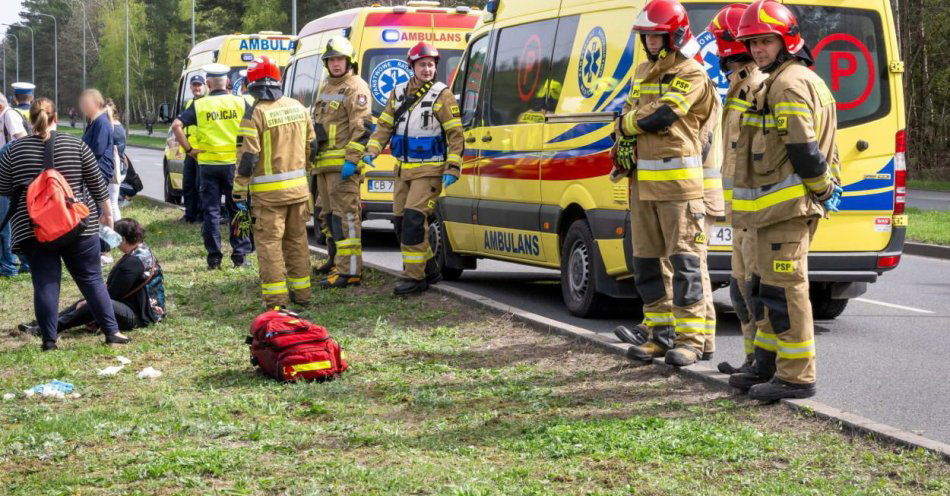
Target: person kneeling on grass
x=136, y=287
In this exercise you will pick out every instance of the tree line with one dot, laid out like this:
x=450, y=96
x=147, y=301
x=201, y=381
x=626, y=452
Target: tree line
x=160, y=38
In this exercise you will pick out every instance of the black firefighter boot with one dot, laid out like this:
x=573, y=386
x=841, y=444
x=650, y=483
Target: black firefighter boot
x=328, y=266
x=410, y=286
x=728, y=369
x=777, y=389
x=761, y=371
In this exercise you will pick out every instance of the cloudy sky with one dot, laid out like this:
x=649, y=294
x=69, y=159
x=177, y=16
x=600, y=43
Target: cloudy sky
x=10, y=13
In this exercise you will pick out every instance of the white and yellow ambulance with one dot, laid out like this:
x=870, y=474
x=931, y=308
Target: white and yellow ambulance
x=234, y=50
x=540, y=86
x=381, y=37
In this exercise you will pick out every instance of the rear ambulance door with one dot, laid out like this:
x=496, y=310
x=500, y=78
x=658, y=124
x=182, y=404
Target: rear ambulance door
x=458, y=202
x=510, y=174
x=307, y=75
x=852, y=56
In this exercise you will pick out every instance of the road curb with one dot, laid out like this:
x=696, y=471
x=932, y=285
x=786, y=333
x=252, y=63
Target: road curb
x=927, y=250
x=850, y=422
x=146, y=147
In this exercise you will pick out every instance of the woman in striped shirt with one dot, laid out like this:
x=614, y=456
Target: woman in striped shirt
x=19, y=165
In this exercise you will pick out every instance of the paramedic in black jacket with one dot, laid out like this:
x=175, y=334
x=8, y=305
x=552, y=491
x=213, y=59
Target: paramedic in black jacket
x=135, y=284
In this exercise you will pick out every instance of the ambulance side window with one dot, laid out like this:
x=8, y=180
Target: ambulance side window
x=521, y=72
x=306, y=76
x=468, y=82
x=563, y=50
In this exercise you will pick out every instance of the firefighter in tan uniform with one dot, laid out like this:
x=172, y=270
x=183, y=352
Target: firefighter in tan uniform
x=343, y=121
x=671, y=100
x=274, y=163
x=786, y=177
x=714, y=203
x=744, y=77
x=422, y=119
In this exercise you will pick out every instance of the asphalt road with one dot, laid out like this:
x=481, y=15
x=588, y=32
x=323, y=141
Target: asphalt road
x=885, y=358
x=928, y=200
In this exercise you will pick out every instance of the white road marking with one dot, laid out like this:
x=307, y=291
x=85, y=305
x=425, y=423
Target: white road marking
x=893, y=305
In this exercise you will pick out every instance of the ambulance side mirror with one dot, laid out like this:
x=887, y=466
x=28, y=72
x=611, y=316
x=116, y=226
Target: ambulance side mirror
x=163, y=112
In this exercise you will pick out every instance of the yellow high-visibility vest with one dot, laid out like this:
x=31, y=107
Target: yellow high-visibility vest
x=219, y=117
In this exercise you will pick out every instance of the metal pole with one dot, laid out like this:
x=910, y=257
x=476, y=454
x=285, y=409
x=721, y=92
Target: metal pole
x=55, y=56
x=293, y=17
x=192, y=23
x=32, y=48
x=127, y=62
x=3, y=58
x=17, y=40
x=84, y=24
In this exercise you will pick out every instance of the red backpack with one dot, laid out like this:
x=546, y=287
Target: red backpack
x=289, y=348
x=58, y=218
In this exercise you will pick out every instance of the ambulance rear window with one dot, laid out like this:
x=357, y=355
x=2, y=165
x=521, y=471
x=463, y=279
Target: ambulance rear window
x=848, y=45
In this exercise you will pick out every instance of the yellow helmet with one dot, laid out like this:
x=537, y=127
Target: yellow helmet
x=339, y=46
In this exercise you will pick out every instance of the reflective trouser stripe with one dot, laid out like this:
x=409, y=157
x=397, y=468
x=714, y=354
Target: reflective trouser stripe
x=651, y=319
x=766, y=340
x=349, y=246
x=274, y=288
x=278, y=185
x=693, y=326
x=299, y=282
x=748, y=345
x=416, y=257
x=790, y=350
x=710, y=326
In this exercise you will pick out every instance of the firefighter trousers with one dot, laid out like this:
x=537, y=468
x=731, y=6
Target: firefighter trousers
x=740, y=284
x=674, y=307
x=339, y=203
x=283, y=253
x=414, y=200
x=785, y=330
x=709, y=338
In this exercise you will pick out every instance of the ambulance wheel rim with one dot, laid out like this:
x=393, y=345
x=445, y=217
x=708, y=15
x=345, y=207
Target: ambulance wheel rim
x=578, y=272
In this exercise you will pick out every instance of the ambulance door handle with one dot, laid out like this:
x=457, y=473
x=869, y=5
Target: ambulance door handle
x=470, y=139
x=486, y=138
x=863, y=145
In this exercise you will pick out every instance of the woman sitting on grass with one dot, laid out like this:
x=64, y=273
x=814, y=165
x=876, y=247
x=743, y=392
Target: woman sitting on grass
x=135, y=284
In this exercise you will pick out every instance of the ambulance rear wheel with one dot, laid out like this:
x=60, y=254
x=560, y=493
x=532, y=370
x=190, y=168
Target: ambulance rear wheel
x=440, y=248
x=578, y=284
x=823, y=306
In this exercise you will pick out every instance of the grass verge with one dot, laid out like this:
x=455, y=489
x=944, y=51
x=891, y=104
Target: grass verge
x=132, y=140
x=929, y=226
x=440, y=399
x=928, y=184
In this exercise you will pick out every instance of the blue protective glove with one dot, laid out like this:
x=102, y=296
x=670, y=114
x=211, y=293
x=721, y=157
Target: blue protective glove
x=368, y=160
x=448, y=180
x=241, y=205
x=349, y=168
x=832, y=204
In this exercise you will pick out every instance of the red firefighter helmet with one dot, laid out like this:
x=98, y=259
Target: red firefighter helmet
x=725, y=27
x=263, y=70
x=665, y=17
x=766, y=17
x=421, y=51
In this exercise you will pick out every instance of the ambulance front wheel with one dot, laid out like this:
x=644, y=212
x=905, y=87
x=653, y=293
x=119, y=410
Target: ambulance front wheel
x=578, y=284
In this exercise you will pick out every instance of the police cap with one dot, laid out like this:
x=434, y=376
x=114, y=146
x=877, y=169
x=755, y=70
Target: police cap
x=216, y=70
x=23, y=88
x=197, y=79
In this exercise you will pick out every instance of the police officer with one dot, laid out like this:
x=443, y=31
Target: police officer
x=23, y=96
x=423, y=112
x=190, y=181
x=671, y=100
x=216, y=118
x=744, y=78
x=786, y=177
x=343, y=122
x=274, y=147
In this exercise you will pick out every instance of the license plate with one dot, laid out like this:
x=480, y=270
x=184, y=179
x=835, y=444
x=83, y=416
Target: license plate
x=379, y=186
x=721, y=236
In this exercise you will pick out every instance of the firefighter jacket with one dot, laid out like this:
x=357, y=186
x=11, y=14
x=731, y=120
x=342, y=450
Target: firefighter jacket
x=427, y=139
x=274, y=140
x=670, y=101
x=787, y=159
x=343, y=120
x=711, y=139
x=218, y=117
x=742, y=84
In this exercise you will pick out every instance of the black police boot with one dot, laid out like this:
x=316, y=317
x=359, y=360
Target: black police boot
x=745, y=380
x=214, y=263
x=636, y=336
x=29, y=328
x=48, y=346
x=777, y=389
x=410, y=286
x=433, y=274
x=328, y=266
x=728, y=369
x=118, y=338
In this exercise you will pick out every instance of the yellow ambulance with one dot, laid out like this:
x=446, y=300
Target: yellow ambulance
x=381, y=37
x=234, y=50
x=540, y=86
